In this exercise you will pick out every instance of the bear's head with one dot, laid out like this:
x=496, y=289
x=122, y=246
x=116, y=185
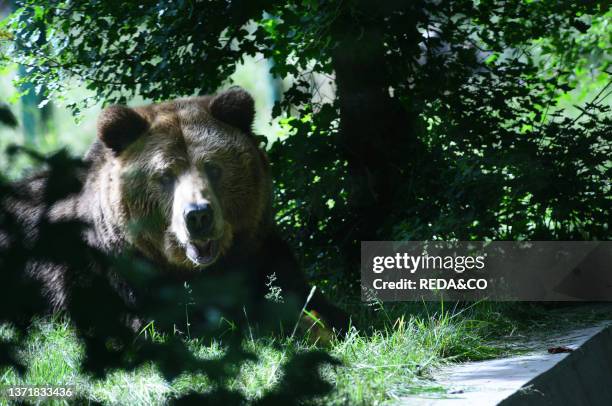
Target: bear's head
x=187, y=176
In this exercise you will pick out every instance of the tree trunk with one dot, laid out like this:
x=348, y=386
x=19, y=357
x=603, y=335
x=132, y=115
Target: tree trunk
x=376, y=131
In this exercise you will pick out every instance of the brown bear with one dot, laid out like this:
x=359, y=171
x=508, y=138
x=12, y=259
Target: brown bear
x=185, y=185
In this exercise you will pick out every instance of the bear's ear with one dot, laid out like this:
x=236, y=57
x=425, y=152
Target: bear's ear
x=119, y=126
x=236, y=107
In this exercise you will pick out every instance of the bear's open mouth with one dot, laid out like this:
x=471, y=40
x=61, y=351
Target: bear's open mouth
x=203, y=253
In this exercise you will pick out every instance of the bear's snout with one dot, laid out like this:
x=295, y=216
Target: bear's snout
x=199, y=219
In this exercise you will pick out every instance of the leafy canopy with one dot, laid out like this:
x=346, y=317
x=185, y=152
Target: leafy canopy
x=446, y=120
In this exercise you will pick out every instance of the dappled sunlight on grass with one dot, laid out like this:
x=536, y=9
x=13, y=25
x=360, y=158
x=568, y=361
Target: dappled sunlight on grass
x=377, y=365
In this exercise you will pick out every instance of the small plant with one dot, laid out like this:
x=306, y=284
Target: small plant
x=150, y=333
x=189, y=302
x=274, y=292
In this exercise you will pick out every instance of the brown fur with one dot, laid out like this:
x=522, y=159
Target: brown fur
x=127, y=204
x=121, y=190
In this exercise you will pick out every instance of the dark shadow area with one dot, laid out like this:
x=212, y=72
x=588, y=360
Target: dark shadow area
x=110, y=298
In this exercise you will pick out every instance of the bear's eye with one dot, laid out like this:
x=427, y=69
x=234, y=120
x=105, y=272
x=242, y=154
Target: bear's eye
x=213, y=171
x=166, y=179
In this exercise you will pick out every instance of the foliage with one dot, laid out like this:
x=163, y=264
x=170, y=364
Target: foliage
x=445, y=121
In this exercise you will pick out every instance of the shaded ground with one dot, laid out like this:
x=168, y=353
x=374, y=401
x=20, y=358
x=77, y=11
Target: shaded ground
x=409, y=345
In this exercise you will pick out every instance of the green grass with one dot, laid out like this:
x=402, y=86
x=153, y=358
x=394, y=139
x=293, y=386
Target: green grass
x=393, y=358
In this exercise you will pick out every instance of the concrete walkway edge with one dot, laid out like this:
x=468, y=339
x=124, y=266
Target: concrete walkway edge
x=584, y=377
